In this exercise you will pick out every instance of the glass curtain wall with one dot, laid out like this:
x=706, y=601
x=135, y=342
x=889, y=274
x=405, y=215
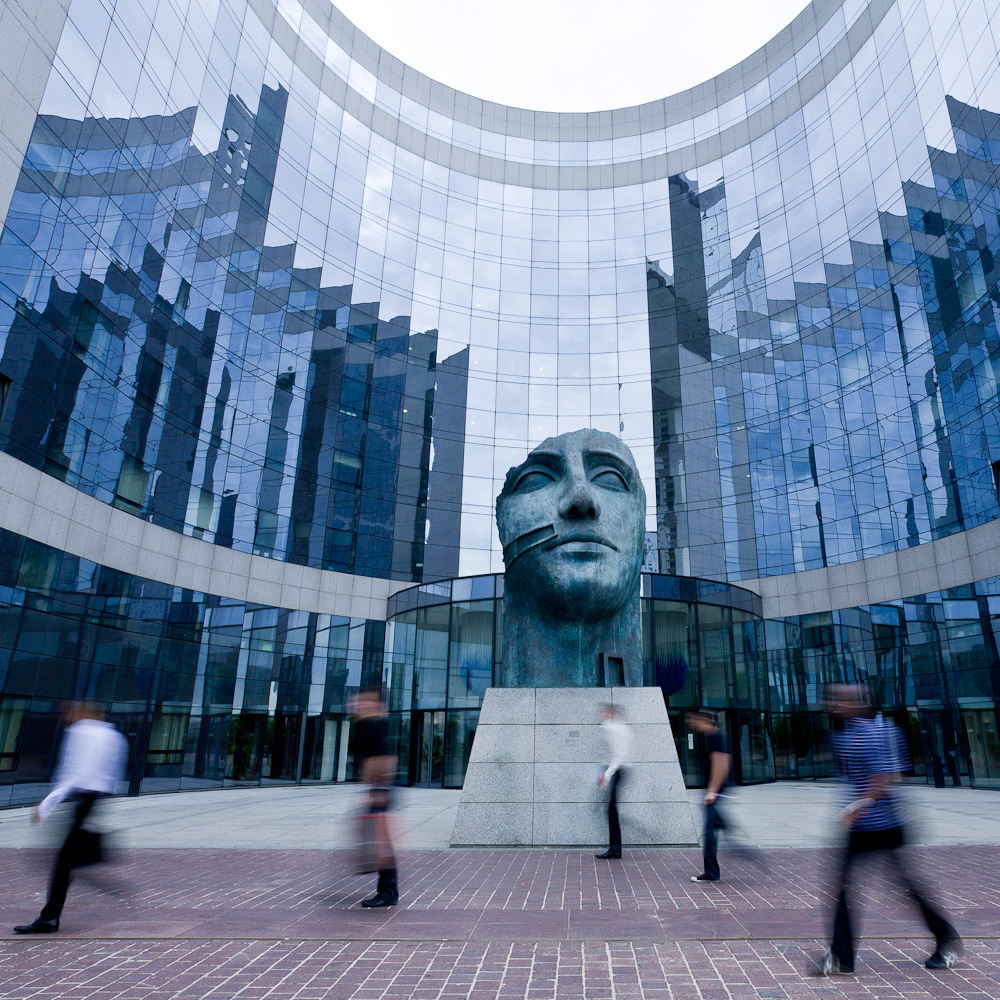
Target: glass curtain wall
x=710, y=656
x=442, y=654
x=208, y=690
x=212, y=691
x=932, y=661
x=251, y=282
x=264, y=286
x=439, y=662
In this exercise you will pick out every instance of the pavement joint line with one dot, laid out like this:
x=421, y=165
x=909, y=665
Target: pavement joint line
x=862, y=941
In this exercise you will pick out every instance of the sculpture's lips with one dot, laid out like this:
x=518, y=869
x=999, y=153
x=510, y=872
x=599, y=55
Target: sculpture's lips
x=579, y=535
x=547, y=537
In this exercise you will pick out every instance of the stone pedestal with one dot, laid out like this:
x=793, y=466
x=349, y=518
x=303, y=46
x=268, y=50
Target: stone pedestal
x=531, y=780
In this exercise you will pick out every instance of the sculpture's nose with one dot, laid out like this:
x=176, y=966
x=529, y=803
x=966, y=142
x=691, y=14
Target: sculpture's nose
x=579, y=502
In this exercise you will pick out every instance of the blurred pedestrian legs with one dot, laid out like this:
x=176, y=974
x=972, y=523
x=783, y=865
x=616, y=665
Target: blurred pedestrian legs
x=718, y=779
x=870, y=753
x=92, y=758
x=376, y=762
x=619, y=738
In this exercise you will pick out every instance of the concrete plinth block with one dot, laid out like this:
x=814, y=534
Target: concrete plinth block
x=507, y=705
x=571, y=824
x=644, y=783
x=497, y=782
x=657, y=824
x=571, y=744
x=560, y=706
x=503, y=744
x=492, y=824
x=537, y=754
x=635, y=706
x=649, y=745
x=560, y=782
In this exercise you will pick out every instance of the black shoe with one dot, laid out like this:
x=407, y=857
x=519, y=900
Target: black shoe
x=387, y=889
x=830, y=965
x=609, y=854
x=38, y=926
x=380, y=900
x=945, y=955
x=704, y=878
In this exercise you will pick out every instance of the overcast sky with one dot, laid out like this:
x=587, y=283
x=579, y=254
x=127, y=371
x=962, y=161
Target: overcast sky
x=570, y=55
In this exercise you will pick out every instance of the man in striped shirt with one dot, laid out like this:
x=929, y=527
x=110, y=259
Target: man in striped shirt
x=870, y=754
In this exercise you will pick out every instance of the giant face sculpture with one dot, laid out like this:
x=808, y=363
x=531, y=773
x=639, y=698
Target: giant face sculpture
x=571, y=519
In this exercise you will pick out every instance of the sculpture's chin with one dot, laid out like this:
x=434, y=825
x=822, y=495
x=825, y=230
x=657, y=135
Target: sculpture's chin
x=589, y=602
x=578, y=591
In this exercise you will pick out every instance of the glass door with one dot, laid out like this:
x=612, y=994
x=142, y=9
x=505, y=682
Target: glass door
x=753, y=750
x=213, y=746
x=427, y=750
x=285, y=746
x=984, y=747
x=686, y=742
x=940, y=747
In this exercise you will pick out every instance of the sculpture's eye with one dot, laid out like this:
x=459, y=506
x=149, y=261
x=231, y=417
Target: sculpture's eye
x=533, y=479
x=610, y=479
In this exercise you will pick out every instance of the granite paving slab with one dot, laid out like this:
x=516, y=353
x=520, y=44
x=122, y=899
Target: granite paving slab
x=203, y=924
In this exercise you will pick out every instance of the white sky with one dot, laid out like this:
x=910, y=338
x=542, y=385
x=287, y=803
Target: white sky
x=570, y=55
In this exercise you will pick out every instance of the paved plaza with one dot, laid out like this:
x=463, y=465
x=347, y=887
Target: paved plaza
x=228, y=911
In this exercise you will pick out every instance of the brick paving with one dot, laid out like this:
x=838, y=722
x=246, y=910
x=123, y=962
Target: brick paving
x=486, y=924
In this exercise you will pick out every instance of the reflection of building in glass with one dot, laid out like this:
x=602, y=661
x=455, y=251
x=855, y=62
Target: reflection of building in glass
x=285, y=419
x=855, y=417
x=277, y=313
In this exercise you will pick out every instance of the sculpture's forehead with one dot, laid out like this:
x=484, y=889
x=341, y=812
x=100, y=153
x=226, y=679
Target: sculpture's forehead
x=584, y=442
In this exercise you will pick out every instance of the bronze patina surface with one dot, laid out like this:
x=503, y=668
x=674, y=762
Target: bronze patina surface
x=571, y=519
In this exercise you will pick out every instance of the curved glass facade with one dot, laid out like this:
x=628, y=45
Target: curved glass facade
x=266, y=287
x=207, y=689
x=702, y=644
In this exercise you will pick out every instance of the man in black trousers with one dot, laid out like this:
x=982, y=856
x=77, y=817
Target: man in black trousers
x=92, y=758
x=870, y=753
x=619, y=738
x=375, y=764
x=718, y=776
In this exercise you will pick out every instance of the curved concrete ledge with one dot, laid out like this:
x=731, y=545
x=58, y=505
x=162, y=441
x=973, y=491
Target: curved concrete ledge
x=31, y=30
x=629, y=120
x=966, y=557
x=39, y=507
x=567, y=126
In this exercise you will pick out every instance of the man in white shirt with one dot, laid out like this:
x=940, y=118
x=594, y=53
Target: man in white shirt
x=619, y=738
x=92, y=758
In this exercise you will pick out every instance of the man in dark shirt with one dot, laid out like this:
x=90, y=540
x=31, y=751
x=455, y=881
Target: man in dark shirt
x=718, y=775
x=870, y=754
x=375, y=764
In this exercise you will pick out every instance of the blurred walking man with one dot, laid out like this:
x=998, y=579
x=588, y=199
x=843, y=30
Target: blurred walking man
x=718, y=775
x=619, y=738
x=870, y=754
x=376, y=764
x=92, y=758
